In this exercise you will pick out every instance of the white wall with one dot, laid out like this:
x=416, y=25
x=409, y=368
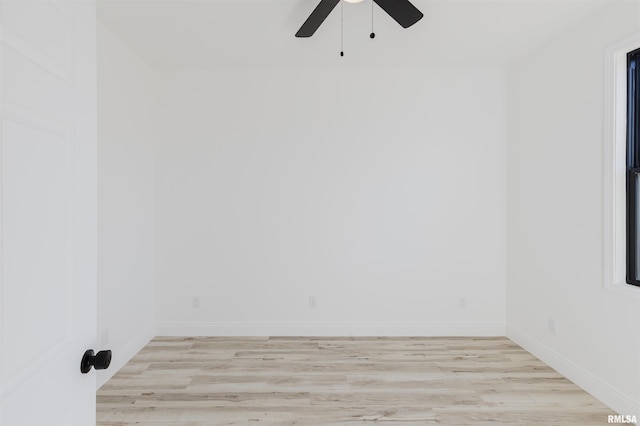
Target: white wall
x=381, y=192
x=126, y=283
x=555, y=215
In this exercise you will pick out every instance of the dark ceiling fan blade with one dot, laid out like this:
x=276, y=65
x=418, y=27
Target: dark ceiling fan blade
x=317, y=17
x=405, y=13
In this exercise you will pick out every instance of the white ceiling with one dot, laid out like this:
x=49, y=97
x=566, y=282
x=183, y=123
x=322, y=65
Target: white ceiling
x=260, y=33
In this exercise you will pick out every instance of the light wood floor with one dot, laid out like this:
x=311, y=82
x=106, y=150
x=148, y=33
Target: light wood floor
x=342, y=381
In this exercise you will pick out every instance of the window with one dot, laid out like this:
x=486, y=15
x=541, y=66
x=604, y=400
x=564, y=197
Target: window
x=633, y=167
x=619, y=58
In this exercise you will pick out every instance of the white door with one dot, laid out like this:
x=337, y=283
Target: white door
x=48, y=211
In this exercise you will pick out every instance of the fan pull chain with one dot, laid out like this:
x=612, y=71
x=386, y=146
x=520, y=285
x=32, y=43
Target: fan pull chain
x=341, y=27
x=373, y=35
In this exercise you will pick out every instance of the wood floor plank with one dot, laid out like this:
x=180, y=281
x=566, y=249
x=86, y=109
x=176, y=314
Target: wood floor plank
x=311, y=381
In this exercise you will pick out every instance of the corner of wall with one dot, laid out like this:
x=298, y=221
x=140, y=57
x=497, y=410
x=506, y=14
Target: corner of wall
x=126, y=208
x=615, y=399
x=123, y=354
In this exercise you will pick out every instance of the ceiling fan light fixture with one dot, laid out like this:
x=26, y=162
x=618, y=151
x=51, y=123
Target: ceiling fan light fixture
x=402, y=11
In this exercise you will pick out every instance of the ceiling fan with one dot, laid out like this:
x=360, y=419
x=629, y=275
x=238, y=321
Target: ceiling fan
x=405, y=14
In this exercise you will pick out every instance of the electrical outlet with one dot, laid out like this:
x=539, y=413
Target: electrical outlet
x=552, y=326
x=462, y=302
x=195, y=302
x=312, y=302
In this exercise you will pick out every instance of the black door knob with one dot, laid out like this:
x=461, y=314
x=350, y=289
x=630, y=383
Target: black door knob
x=99, y=361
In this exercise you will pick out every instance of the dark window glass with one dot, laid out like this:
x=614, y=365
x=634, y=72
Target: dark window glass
x=633, y=167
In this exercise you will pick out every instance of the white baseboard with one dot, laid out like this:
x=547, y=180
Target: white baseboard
x=619, y=402
x=328, y=329
x=123, y=354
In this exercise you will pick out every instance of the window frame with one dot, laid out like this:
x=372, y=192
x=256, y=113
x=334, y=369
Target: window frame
x=632, y=166
x=615, y=166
